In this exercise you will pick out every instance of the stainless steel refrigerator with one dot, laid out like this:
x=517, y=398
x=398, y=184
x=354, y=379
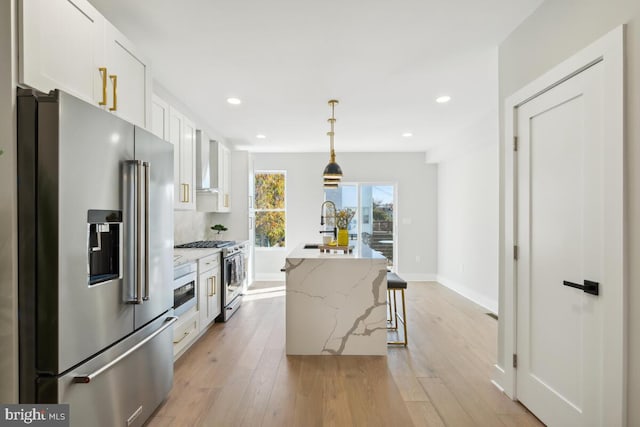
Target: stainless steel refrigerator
x=95, y=228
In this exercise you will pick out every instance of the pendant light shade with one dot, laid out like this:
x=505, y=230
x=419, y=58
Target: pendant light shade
x=332, y=172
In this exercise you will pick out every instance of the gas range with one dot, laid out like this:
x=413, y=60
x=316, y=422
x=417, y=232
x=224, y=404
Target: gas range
x=206, y=244
x=233, y=271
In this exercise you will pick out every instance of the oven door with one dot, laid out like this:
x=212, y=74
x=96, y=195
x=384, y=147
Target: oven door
x=184, y=293
x=234, y=275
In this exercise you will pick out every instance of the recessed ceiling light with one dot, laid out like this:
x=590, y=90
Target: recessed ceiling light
x=260, y=136
x=234, y=101
x=407, y=134
x=443, y=99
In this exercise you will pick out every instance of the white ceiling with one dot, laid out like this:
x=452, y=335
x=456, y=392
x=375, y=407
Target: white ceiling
x=386, y=61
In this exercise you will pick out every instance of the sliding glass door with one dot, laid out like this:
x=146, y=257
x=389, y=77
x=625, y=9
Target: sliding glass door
x=374, y=222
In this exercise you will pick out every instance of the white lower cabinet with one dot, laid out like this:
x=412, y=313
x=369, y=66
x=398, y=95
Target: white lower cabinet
x=185, y=331
x=209, y=289
x=193, y=324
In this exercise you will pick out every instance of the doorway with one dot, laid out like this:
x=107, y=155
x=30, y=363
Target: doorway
x=563, y=313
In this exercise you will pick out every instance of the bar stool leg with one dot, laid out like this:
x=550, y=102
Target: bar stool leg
x=404, y=319
x=389, y=317
x=395, y=309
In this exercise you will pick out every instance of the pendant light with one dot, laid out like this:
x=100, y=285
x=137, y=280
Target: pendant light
x=332, y=172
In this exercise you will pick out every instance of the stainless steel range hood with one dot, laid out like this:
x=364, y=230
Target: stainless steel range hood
x=206, y=164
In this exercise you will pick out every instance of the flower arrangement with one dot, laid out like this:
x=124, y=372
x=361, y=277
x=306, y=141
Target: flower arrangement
x=344, y=217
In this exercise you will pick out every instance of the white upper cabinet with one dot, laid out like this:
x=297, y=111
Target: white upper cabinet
x=60, y=44
x=160, y=118
x=68, y=45
x=188, y=162
x=129, y=84
x=182, y=136
x=224, y=174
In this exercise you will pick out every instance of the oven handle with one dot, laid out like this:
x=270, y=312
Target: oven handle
x=86, y=379
x=183, y=280
x=230, y=264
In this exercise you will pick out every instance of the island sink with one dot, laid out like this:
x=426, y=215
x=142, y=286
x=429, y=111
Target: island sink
x=312, y=246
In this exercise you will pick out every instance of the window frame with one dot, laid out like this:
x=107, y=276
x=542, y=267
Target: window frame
x=256, y=210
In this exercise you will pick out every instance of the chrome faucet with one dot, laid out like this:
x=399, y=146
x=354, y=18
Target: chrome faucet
x=331, y=215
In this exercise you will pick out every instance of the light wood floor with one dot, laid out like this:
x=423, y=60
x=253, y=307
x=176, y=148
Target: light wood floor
x=238, y=374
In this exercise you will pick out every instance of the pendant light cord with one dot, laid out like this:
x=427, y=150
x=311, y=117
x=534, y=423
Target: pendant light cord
x=331, y=133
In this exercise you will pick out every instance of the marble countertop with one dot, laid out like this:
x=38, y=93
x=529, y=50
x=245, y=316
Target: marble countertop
x=360, y=251
x=183, y=256
x=336, y=303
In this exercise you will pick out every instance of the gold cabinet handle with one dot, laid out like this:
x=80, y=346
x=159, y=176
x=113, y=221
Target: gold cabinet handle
x=184, y=198
x=226, y=200
x=186, y=334
x=114, y=82
x=188, y=194
x=212, y=288
x=103, y=73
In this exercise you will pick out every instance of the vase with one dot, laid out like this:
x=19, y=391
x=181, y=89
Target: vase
x=343, y=237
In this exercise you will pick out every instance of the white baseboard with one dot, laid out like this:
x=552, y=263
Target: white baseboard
x=501, y=381
x=470, y=294
x=417, y=277
x=269, y=277
x=498, y=377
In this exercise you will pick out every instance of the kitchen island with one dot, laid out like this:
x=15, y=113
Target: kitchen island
x=336, y=303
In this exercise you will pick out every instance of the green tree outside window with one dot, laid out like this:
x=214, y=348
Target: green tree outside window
x=270, y=215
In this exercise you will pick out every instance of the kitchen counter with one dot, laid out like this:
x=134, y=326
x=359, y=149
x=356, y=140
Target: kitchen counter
x=336, y=303
x=359, y=252
x=183, y=256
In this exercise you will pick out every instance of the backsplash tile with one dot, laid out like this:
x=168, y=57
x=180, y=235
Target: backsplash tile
x=189, y=226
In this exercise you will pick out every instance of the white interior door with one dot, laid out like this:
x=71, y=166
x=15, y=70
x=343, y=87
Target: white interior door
x=560, y=228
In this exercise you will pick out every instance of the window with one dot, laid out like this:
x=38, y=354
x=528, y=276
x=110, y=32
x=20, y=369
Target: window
x=375, y=212
x=270, y=214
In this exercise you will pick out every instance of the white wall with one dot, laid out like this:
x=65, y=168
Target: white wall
x=416, y=184
x=468, y=224
x=555, y=31
x=8, y=212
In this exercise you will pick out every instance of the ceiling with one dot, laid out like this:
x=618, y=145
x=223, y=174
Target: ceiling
x=385, y=61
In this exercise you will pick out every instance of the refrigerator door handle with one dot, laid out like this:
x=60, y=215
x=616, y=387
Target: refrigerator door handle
x=133, y=225
x=86, y=379
x=147, y=173
x=139, y=248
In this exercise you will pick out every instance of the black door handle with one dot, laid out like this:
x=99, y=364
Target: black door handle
x=589, y=287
